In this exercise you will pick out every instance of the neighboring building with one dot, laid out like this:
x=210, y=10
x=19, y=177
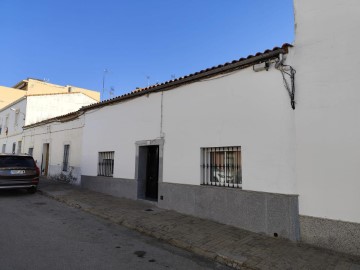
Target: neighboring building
x=56, y=145
x=9, y=95
x=327, y=116
x=33, y=107
x=35, y=87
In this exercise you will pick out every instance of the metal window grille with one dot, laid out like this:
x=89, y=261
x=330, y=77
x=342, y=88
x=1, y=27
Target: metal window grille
x=221, y=166
x=106, y=163
x=66, y=157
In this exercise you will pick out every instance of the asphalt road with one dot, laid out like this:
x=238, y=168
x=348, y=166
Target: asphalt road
x=39, y=233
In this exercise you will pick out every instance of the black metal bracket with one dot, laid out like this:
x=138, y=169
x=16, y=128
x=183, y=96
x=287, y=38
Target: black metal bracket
x=287, y=70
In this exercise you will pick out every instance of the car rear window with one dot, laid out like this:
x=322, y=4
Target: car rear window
x=14, y=161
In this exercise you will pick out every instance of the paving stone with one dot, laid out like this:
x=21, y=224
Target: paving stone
x=232, y=246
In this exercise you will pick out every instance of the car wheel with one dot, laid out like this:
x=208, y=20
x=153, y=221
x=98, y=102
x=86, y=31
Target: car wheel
x=32, y=190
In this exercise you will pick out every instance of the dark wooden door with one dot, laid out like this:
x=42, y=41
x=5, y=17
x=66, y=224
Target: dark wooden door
x=152, y=172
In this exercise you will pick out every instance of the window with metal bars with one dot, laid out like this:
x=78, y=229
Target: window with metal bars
x=66, y=157
x=106, y=163
x=221, y=166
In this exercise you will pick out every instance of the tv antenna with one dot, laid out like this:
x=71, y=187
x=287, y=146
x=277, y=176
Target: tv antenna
x=103, y=80
x=111, y=91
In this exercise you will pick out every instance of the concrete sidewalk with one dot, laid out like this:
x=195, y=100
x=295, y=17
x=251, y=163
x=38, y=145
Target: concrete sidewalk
x=226, y=244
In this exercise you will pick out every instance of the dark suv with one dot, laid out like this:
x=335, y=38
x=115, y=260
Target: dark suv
x=18, y=171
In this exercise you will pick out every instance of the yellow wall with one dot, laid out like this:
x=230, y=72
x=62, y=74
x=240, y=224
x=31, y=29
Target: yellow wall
x=9, y=95
x=35, y=87
x=90, y=93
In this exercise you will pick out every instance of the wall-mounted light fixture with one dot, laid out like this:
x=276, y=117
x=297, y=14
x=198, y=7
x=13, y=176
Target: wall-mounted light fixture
x=18, y=111
x=261, y=66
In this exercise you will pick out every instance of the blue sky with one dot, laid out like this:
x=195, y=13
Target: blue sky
x=137, y=41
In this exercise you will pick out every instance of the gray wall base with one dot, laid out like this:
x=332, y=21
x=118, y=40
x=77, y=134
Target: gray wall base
x=117, y=187
x=56, y=170
x=331, y=234
x=254, y=211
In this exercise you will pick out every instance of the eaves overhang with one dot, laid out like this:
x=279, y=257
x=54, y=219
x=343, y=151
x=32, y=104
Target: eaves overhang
x=197, y=76
x=168, y=85
x=62, y=118
x=13, y=103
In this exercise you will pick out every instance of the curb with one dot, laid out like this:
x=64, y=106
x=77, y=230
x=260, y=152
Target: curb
x=222, y=259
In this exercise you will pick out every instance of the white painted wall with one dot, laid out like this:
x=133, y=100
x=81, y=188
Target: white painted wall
x=35, y=109
x=117, y=128
x=246, y=109
x=14, y=128
x=57, y=134
x=326, y=57
x=43, y=107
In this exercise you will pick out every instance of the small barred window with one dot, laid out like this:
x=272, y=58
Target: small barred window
x=221, y=166
x=106, y=163
x=66, y=157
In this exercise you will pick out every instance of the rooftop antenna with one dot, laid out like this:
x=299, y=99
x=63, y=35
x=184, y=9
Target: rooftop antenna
x=103, y=80
x=111, y=92
x=148, y=80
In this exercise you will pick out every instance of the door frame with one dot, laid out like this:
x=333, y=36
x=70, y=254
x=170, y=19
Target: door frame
x=45, y=159
x=140, y=173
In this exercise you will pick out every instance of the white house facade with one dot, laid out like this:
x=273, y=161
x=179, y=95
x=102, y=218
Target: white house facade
x=55, y=144
x=12, y=119
x=219, y=144
x=240, y=146
x=233, y=143
x=33, y=109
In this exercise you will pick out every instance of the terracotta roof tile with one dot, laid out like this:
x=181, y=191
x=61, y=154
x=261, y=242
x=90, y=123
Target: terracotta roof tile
x=212, y=71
